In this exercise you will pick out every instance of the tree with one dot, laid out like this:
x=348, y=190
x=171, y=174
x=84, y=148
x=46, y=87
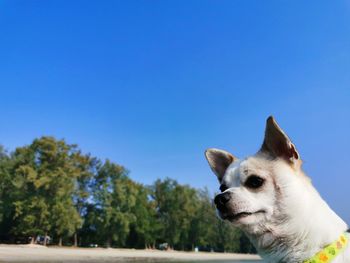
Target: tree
x=86, y=169
x=145, y=229
x=203, y=229
x=175, y=206
x=6, y=190
x=30, y=209
x=228, y=237
x=45, y=181
x=114, y=197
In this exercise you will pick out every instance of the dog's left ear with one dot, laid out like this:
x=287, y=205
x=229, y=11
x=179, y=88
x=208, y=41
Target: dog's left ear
x=277, y=143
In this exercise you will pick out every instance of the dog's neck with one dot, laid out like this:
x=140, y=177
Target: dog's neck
x=297, y=230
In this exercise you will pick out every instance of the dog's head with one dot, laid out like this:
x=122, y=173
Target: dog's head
x=252, y=189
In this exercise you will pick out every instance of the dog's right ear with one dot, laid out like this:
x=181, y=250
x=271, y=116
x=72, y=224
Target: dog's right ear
x=219, y=160
x=278, y=144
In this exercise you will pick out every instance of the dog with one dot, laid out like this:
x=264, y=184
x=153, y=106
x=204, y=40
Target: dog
x=270, y=198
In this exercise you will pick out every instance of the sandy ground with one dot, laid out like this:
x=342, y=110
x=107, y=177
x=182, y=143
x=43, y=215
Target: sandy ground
x=35, y=253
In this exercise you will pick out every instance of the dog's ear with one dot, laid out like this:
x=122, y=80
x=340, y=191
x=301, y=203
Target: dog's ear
x=277, y=143
x=219, y=160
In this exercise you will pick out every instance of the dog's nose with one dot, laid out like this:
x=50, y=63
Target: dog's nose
x=221, y=199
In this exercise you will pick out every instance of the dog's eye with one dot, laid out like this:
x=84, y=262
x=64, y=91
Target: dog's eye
x=223, y=188
x=254, y=182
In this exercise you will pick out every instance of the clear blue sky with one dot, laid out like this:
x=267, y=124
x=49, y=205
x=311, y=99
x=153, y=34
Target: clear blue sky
x=152, y=84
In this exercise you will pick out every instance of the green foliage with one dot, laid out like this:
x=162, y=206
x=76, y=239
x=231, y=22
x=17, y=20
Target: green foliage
x=115, y=196
x=144, y=231
x=6, y=194
x=51, y=188
x=175, y=206
x=44, y=182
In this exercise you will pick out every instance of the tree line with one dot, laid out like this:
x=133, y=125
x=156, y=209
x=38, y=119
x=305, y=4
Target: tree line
x=51, y=188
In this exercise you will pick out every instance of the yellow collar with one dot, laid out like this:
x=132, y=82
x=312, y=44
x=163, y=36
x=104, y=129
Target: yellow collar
x=330, y=252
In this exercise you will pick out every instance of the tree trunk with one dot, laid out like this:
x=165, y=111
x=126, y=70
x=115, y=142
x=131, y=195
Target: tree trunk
x=32, y=241
x=109, y=242
x=75, y=239
x=45, y=239
x=60, y=242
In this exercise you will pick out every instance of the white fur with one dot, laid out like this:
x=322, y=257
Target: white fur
x=296, y=223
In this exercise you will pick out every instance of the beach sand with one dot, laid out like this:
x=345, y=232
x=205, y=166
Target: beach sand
x=36, y=253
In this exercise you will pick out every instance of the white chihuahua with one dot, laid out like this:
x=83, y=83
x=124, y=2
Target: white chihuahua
x=270, y=198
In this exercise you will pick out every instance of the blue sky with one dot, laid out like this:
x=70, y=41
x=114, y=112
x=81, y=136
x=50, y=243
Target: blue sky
x=152, y=84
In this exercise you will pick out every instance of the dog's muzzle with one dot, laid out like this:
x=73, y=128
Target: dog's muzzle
x=221, y=200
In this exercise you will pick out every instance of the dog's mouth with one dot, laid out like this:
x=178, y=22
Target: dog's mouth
x=237, y=216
